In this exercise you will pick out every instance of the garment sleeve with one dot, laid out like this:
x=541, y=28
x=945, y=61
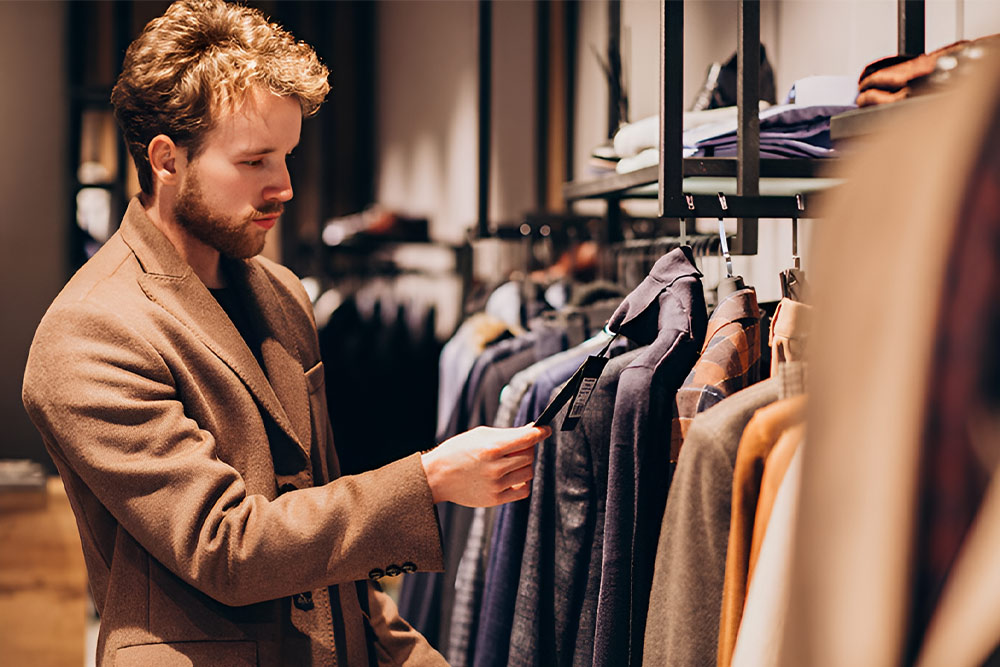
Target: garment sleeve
x=106, y=403
x=396, y=642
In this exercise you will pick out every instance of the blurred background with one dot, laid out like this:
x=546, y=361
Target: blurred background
x=448, y=124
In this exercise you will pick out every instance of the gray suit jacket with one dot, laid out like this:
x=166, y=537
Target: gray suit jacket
x=682, y=625
x=556, y=609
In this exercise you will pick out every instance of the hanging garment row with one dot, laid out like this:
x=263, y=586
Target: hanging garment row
x=871, y=539
x=564, y=577
x=378, y=341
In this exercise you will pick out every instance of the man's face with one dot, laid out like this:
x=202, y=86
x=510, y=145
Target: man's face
x=233, y=191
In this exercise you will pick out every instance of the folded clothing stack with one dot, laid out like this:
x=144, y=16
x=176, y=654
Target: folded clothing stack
x=786, y=131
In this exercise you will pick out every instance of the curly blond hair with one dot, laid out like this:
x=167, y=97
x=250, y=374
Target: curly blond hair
x=199, y=60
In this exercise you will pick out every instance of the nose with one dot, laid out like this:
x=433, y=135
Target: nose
x=280, y=187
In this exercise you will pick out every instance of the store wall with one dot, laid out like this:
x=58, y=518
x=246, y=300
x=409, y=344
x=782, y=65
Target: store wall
x=33, y=220
x=427, y=98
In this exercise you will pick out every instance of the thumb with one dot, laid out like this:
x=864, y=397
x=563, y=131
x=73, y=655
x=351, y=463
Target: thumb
x=523, y=437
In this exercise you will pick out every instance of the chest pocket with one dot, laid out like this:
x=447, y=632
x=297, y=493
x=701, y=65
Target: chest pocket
x=315, y=378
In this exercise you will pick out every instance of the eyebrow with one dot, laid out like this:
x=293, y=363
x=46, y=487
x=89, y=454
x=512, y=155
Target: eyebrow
x=262, y=151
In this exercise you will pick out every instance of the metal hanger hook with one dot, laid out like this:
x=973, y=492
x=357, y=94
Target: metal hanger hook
x=684, y=227
x=796, y=260
x=724, y=247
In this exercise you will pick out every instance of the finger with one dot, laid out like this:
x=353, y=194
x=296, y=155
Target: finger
x=522, y=459
x=521, y=438
x=519, y=476
x=514, y=493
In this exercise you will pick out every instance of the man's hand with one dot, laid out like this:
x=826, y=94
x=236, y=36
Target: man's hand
x=485, y=466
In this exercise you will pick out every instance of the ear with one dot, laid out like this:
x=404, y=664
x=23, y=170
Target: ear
x=165, y=158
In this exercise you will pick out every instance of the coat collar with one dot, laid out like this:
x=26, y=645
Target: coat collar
x=638, y=315
x=740, y=305
x=170, y=282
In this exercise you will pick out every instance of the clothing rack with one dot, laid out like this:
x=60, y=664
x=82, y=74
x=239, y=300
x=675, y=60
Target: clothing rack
x=747, y=205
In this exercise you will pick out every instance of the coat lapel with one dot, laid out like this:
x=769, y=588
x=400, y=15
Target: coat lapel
x=279, y=349
x=170, y=282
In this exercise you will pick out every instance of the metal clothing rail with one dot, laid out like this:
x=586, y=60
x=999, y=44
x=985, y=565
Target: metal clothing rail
x=747, y=206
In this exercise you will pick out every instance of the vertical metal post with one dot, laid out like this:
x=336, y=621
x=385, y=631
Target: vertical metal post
x=485, y=102
x=542, y=65
x=614, y=62
x=614, y=213
x=571, y=14
x=671, y=172
x=910, y=27
x=748, y=126
x=614, y=232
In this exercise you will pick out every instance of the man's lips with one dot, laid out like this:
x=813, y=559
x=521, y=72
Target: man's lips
x=267, y=222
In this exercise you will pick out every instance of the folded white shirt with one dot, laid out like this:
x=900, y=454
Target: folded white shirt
x=633, y=138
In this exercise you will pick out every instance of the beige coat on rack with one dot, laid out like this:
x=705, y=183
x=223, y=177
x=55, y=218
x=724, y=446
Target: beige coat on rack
x=882, y=255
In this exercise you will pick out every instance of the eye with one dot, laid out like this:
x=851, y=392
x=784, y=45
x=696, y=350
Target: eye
x=253, y=163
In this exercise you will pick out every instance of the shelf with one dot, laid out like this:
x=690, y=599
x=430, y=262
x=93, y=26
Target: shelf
x=869, y=120
x=612, y=184
x=630, y=185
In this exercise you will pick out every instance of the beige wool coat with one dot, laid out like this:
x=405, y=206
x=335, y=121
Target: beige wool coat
x=215, y=526
x=880, y=284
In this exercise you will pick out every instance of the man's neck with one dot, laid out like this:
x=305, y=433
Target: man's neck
x=203, y=259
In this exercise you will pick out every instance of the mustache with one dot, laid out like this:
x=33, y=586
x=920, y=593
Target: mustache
x=277, y=208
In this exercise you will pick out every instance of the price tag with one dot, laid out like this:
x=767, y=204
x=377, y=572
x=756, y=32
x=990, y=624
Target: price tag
x=578, y=389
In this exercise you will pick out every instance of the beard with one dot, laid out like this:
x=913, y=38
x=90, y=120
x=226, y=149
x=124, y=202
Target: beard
x=235, y=237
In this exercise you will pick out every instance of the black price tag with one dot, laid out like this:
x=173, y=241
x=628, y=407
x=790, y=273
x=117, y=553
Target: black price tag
x=578, y=389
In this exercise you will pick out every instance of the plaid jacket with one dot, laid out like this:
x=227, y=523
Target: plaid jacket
x=729, y=362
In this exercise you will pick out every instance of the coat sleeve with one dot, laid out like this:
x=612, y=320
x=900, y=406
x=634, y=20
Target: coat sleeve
x=396, y=642
x=106, y=404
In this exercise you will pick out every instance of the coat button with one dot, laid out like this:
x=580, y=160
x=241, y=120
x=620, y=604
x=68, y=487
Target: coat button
x=303, y=601
x=393, y=571
x=409, y=567
x=376, y=574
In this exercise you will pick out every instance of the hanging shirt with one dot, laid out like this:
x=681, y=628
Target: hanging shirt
x=457, y=358
x=789, y=332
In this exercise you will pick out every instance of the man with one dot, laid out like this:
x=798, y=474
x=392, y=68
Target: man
x=177, y=383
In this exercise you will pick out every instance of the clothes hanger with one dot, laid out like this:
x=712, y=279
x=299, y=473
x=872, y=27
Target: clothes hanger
x=793, y=280
x=796, y=262
x=684, y=221
x=730, y=283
